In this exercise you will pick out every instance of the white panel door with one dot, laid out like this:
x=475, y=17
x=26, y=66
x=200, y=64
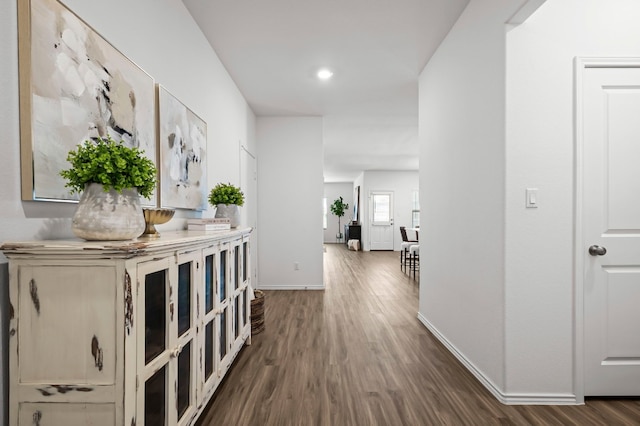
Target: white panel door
x=381, y=229
x=611, y=230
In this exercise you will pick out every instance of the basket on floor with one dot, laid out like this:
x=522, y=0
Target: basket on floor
x=257, y=312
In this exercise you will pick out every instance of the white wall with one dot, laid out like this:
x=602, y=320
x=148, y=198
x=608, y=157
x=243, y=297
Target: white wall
x=402, y=184
x=290, y=188
x=462, y=166
x=162, y=38
x=515, y=331
x=332, y=191
x=540, y=153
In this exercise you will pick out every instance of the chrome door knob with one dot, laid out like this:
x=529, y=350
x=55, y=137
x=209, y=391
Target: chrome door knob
x=597, y=251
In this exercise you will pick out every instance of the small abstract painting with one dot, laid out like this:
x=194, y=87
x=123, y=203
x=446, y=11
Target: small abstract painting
x=74, y=86
x=183, y=149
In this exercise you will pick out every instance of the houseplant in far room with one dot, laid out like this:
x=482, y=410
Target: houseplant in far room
x=111, y=178
x=338, y=208
x=227, y=198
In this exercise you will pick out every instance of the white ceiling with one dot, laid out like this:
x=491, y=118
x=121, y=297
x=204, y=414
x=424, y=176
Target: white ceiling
x=376, y=49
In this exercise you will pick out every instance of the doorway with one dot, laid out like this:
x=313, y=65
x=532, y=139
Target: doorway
x=381, y=222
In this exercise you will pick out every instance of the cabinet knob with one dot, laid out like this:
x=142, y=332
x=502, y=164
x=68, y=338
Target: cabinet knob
x=175, y=352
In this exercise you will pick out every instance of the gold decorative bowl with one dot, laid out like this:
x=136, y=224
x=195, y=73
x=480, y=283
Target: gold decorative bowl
x=155, y=216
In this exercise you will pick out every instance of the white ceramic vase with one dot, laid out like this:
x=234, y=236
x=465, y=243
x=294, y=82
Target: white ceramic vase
x=108, y=216
x=231, y=211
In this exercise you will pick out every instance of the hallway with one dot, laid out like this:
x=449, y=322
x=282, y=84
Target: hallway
x=355, y=354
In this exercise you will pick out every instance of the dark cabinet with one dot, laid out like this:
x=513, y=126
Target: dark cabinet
x=352, y=232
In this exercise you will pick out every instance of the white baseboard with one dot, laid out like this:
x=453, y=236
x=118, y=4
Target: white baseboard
x=540, y=399
x=290, y=287
x=503, y=397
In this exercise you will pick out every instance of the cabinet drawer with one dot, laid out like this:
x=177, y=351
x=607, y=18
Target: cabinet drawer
x=45, y=414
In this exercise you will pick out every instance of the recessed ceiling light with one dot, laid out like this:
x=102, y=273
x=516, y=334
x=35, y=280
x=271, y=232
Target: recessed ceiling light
x=325, y=74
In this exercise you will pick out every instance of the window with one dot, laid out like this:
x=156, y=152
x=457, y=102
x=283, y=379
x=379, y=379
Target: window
x=324, y=213
x=381, y=208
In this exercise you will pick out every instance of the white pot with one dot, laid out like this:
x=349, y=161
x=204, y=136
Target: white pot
x=231, y=211
x=108, y=215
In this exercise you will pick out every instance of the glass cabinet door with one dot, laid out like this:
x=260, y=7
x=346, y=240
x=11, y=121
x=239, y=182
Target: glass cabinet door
x=246, y=273
x=238, y=296
x=154, y=340
x=210, y=290
x=184, y=327
x=225, y=286
x=167, y=328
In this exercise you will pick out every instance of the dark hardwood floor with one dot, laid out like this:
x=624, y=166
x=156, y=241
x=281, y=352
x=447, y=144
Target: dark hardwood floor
x=355, y=354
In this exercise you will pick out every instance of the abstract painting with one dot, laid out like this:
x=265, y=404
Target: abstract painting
x=74, y=86
x=183, y=149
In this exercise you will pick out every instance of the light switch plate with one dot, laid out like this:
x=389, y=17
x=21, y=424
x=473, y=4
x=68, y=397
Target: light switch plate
x=532, y=198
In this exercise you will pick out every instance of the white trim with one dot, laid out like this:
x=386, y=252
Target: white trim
x=540, y=399
x=245, y=149
x=525, y=11
x=291, y=287
x=578, y=261
x=613, y=62
x=580, y=65
x=505, y=398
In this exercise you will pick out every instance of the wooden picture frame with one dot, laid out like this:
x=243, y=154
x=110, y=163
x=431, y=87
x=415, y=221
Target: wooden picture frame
x=74, y=86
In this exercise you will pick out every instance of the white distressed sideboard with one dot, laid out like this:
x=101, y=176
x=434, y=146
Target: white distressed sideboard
x=136, y=332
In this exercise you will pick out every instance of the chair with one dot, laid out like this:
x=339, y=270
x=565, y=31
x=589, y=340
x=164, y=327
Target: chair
x=404, y=248
x=414, y=259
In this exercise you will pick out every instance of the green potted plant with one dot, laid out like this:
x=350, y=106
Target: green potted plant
x=111, y=164
x=111, y=177
x=226, y=198
x=338, y=208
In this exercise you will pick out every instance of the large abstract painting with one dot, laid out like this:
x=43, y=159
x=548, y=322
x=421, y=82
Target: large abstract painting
x=183, y=149
x=74, y=86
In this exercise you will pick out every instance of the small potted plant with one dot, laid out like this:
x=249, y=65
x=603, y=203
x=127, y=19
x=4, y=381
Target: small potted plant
x=226, y=198
x=338, y=208
x=111, y=177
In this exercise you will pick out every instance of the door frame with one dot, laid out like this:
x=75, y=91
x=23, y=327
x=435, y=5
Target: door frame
x=249, y=181
x=581, y=65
